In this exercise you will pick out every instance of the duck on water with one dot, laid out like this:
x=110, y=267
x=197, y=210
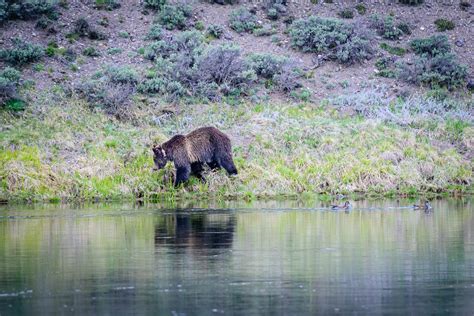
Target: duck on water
x=346, y=206
x=423, y=206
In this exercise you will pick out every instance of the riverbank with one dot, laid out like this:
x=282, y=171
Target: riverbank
x=60, y=149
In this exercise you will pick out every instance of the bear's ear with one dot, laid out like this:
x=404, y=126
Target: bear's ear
x=156, y=149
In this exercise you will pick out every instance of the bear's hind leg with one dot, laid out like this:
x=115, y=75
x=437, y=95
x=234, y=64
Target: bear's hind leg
x=196, y=169
x=182, y=175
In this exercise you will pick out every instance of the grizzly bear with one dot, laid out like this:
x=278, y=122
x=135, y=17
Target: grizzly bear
x=189, y=152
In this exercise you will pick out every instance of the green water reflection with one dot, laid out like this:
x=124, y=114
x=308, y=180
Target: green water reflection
x=259, y=258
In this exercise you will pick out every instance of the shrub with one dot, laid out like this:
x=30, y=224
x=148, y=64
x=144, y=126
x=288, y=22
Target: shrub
x=215, y=31
x=316, y=34
x=26, y=10
x=361, y=9
x=275, y=8
x=411, y=2
x=51, y=48
x=199, y=25
x=385, y=67
x=21, y=53
x=155, y=32
x=186, y=42
x=287, y=79
x=444, y=25
x=441, y=70
x=272, y=14
x=43, y=23
x=174, y=16
x=82, y=28
x=404, y=27
x=123, y=75
x=123, y=34
x=431, y=46
x=222, y=65
x=9, y=80
x=344, y=42
x=107, y=4
x=280, y=70
x=385, y=27
x=223, y=2
x=91, y=52
x=356, y=49
x=172, y=89
x=346, y=13
x=266, y=65
x=154, y=4
x=242, y=20
x=114, y=99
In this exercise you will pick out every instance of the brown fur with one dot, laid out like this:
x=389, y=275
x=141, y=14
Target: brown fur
x=188, y=152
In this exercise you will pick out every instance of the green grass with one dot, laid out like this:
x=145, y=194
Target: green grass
x=63, y=150
x=394, y=50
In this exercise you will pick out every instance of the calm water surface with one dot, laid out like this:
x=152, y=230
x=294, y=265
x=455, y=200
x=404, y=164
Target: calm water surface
x=288, y=258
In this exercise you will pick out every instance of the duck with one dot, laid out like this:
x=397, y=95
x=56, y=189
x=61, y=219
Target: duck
x=346, y=206
x=425, y=206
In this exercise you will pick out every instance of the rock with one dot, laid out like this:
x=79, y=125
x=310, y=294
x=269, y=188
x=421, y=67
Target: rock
x=228, y=37
x=459, y=43
x=422, y=28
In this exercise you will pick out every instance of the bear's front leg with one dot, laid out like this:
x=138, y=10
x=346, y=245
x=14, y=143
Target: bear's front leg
x=182, y=175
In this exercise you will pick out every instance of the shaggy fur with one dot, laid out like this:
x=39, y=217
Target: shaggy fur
x=189, y=152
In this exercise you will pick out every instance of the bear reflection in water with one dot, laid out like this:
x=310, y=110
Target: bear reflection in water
x=196, y=231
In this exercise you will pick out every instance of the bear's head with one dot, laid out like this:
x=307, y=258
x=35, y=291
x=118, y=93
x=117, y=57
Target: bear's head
x=159, y=157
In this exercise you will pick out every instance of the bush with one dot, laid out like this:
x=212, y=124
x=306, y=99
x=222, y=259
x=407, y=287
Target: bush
x=215, y=31
x=346, y=13
x=107, y=4
x=223, y=2
x=385, y=27
x=222, y=65
x=404, y=27
x=185, y=42
x=9, y=80
x=275, y=8
x=123, y=75
x=444, y=25
x=242, y=20
x=82, y=28
x=154, y=4
x=280, y=70
x=344, y=42
x=266, y=65
x=114, y=99
x=91, y=52
x=411, y=2
x=27, y=10
x=385, y=67
x=174, y=16
x=441, y=70
x=431, y=46
x=155, y=32
x=361, y=9
x=435, y=66
x=21, y=53
x=272, y=14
